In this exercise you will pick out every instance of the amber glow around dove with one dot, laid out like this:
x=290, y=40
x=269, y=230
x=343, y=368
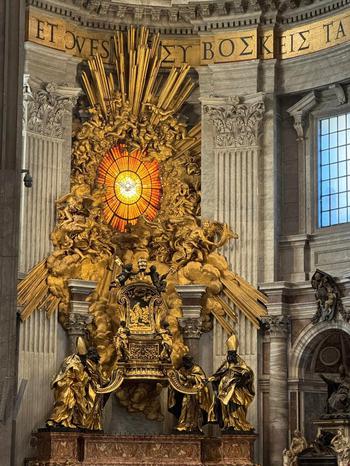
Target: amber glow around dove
x=132, y=187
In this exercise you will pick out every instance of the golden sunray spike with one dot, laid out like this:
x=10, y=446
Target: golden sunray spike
x=88, y=89
x=180, y=78
x=100, y=93
x=184, y=95
x=120, y=62
x=167, y=86
x=106, y=91
x=152, y=79
x=141, y=79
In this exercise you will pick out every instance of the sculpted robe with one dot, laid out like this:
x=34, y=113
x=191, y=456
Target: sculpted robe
x=190, y=409
x=233, y=385
x=69, y=391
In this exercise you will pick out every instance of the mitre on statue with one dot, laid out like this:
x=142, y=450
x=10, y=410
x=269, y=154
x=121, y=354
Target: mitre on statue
x=232, y=343
x=81, y=346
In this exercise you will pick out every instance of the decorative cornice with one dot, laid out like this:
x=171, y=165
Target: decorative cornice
x=237, y=123
x=193, y=15
x=45, y=108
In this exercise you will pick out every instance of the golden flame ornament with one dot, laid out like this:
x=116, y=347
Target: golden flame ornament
x=132, y=187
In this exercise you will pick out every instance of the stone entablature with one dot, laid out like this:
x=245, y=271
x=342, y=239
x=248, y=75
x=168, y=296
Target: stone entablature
x=188, y=17
x=244, y=38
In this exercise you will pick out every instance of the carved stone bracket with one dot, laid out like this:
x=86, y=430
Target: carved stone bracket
x=299, y=112
x=45, y=107
x=237, y=123
x=277, y=326
x=339, y=92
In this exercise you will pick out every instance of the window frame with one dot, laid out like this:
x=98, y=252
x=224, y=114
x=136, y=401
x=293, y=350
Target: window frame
x=328, y=110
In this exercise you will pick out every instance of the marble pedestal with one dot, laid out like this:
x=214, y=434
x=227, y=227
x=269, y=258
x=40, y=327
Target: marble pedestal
x=333, y=424
x=93, y=449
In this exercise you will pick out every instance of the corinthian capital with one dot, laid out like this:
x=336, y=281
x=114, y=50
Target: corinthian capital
x=45, y=107
x=237, y=123
x=191, y=328
x=277, y=326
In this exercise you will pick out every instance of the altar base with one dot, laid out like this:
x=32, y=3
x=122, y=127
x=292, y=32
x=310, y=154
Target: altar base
x=91, y=449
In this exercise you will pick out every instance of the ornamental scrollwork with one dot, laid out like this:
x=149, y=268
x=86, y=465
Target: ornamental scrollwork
x=237, y=124
x=328, y=300
x=46, y=108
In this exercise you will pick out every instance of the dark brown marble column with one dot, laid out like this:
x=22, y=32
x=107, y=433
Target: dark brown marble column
x=278, y=328
x=11, y=77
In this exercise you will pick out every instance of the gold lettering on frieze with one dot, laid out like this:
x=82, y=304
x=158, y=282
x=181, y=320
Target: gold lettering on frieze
x=228, y=47
x=314, y=37
x=65, y=36
x=220, y=47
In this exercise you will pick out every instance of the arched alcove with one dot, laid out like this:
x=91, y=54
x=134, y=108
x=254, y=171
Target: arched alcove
x=319, y=349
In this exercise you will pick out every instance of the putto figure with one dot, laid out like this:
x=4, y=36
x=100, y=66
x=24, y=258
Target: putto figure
x=190, y=405
x=167, y=342
x=297, y=446
x=77, y=403
x=121, y=342
x=233, y=384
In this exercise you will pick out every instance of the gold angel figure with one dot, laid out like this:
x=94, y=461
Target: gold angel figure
x=233, y=385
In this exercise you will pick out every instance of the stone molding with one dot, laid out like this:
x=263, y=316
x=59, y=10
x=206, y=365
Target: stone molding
x=194, y=15
x=237, y=124
x=45, y=106
x=277, y=326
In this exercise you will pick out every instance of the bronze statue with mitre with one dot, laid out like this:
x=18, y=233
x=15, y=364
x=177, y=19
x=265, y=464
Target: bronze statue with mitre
x=233, y=385
x=78, y=405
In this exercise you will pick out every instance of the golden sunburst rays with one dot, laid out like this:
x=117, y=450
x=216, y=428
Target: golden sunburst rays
x=138, y=84
x=132, y=187
x=33, y=292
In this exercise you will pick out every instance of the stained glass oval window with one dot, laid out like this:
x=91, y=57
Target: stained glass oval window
x=132, y=187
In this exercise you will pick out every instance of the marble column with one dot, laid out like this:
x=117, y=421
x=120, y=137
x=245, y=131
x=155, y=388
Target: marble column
x=11, y=66
x=278, y=329
x=47, y=133
x=191, y=322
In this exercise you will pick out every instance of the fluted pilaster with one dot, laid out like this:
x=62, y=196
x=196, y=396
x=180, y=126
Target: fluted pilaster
x=235, y=142
x=47, y=126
